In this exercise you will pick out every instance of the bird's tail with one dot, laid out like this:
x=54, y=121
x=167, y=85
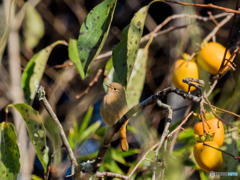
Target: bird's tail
x=123, y=137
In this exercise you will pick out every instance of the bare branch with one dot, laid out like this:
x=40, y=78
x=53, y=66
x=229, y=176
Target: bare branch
x=216, y=29
x=205, y=6
x=110, y=174
x=180, y=125
x=156, y=32
x=142, y=159
x=164, y=134
x=44, y=101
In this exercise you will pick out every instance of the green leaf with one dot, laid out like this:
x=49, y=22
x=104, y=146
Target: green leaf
x=86, y=120
x=35, y=130
x=117, y=157
x=90, y=130
x=74, y=57
x=203, y=175
x=108, y=73
x=134, y=90
x=33, y=27
x=125, y=52
x=186, y=134
x=55, y=139
x=9, y=152
x=94, y=31
x=35, y=177
x=78, y=134
x=112, y=166
x=34, y=70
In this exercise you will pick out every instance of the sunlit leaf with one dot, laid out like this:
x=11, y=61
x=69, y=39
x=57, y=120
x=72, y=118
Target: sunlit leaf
x=186, y=134
x=117, y=157
x=125, y=52
x=9, y=152
x=203, y=175
x=35, y=130
x=79, y=133
x=74, y=57
x=34, y=177
x=34, y=70
x=33, y=27
x=108, y=73
x=94, y=31
x=86, y=120
x=90, y=130
x=112, y=166
x=134, y=90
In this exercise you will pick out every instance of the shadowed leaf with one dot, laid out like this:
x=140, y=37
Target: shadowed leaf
x=94, y=31
x=34, y=70
x=33, y=27
x=35, y=130
x=125, y=52
x=9, y=152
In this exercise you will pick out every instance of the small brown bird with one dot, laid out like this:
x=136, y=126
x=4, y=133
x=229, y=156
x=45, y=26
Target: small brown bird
x=114, y=106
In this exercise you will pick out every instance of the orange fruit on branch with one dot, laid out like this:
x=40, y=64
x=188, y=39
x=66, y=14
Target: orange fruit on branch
x=184, y=69
x=213, y=127
x=210, y=58
x=208, y=158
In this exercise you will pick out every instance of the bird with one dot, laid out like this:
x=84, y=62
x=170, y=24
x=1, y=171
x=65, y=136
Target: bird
x=114, y=106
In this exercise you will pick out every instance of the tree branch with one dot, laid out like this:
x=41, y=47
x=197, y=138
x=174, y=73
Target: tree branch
x=210, y=5
x=44, y=101
x=110, y=174
x=115, y=128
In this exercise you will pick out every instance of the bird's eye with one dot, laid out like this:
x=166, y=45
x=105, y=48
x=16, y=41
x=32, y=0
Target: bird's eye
x=114, y=89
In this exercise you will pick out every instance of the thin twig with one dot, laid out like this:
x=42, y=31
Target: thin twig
x=223, y=110
x=181, y=124
x=177, y=16
x=42, y=98
x=211, y=88
x=225, y=152
x=168, y=122
x=90, y=85
x=110, y=174
x=157, y=31
x=142, y=159
x=216, y=29
x=213, y=6
x=164, y=134
x=212, y=18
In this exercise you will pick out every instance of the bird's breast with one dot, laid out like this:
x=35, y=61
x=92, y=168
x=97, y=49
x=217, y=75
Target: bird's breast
x=113, y=109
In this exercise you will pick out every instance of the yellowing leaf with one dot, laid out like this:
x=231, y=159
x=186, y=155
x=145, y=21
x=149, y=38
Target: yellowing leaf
x=33, y=27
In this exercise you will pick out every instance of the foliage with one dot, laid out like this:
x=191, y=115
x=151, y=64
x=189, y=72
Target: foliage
x=9, y=152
